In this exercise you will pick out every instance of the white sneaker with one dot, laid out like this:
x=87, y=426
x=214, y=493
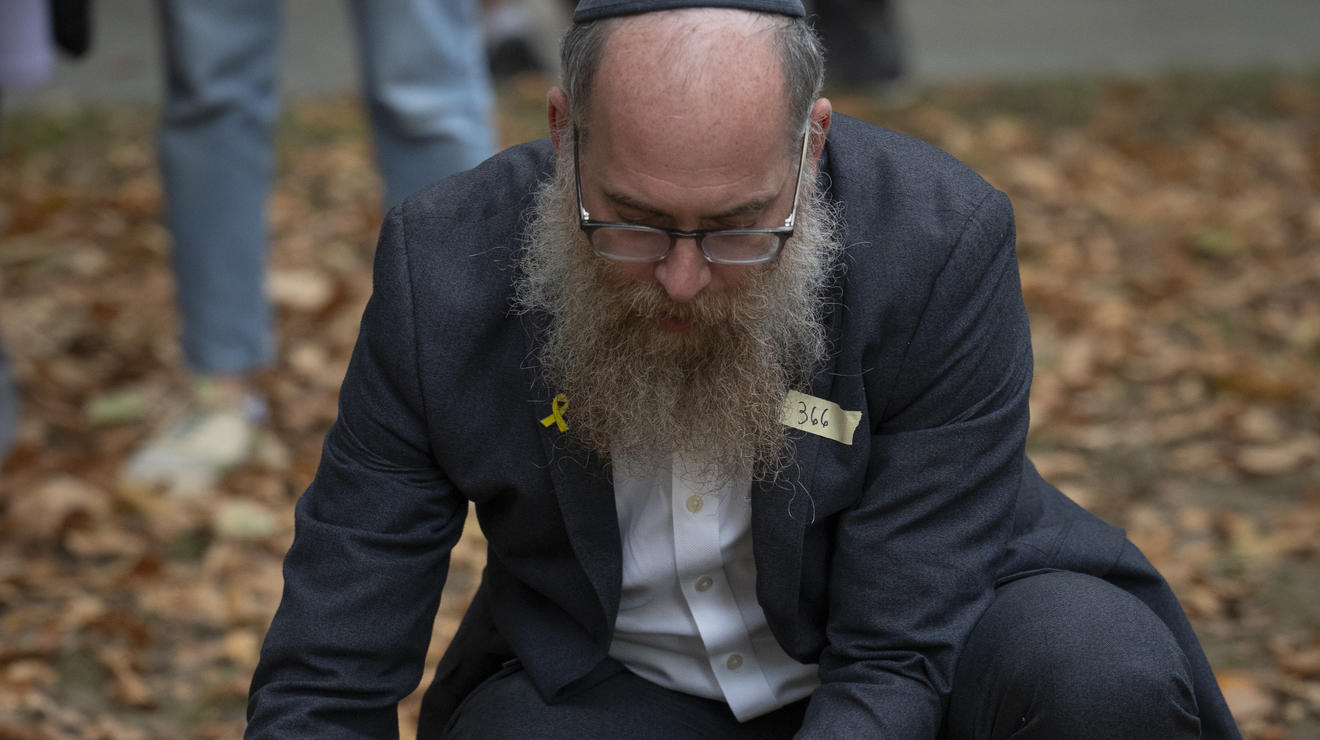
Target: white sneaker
x=216, y=431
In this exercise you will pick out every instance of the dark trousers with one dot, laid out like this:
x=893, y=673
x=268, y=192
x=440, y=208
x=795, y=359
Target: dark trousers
x=1057, y=655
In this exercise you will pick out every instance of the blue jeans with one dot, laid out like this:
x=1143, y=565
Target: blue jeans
x=427, y=90
x=8, y=405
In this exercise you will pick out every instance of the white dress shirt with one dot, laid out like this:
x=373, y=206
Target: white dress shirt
x=688, y=617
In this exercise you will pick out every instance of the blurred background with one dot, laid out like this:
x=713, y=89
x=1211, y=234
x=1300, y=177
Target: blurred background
x=944, y=40
x=1164, y=162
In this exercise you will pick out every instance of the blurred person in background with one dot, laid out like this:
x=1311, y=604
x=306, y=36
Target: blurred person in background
x=427, y=90
x=861, y=41
x=8, y=407
x=27, y=58
x=523, y=35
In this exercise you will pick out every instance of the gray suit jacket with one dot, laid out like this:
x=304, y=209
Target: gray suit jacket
x=875, y=560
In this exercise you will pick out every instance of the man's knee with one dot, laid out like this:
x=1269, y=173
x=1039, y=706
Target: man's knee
x=1069, y=648
x=501, y=707
x=1067, y=625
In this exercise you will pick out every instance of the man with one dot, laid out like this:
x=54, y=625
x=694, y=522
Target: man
x=739, y=389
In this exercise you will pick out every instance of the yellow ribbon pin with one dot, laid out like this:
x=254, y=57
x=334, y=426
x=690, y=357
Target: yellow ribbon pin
x=557, y=409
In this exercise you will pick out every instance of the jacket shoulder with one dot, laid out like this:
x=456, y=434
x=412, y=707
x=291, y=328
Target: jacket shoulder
x=868, y=163
x=462, y=235
x=903, y=204
x=503, y=183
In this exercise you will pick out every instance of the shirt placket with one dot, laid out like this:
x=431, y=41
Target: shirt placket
x=710, y=599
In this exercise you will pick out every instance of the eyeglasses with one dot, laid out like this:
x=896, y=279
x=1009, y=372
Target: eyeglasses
x=636, y=243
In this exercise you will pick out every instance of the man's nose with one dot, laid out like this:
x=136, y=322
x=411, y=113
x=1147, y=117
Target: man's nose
x=684, y=273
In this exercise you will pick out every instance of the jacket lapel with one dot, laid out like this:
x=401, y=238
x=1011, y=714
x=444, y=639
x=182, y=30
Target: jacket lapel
x=585, y=493
x=781, y=513
x=782, y=510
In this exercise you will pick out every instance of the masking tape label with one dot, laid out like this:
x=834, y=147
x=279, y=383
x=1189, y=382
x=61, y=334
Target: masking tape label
x=820, y=417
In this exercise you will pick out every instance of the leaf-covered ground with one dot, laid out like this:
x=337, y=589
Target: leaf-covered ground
x=1169, y=233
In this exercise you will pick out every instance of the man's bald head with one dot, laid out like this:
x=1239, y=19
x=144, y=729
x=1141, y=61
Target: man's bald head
x=773, y=62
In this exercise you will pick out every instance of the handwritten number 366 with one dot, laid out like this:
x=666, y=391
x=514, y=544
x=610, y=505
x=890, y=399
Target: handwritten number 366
x=818, y=417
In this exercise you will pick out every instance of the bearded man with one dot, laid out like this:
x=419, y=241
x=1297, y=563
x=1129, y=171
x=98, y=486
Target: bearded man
x=738, y=387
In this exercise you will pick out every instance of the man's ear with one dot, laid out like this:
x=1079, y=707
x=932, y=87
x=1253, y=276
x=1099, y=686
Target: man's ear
x=557, y=113
x=822, y=112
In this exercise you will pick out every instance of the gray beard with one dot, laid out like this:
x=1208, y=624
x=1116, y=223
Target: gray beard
x=714, y=395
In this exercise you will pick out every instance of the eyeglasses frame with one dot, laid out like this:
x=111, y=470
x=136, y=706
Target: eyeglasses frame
x=588, y=226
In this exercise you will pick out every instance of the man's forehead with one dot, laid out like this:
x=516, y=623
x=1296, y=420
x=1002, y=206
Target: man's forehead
x=592, y=10
x=709, y=70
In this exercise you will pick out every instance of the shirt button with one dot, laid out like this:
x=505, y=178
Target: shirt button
x=734, y=662
x=694, y=504
x=704, y=583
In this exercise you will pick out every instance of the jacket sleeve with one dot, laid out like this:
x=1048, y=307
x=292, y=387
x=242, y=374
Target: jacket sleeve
x=914, y=558
x=371, y=546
